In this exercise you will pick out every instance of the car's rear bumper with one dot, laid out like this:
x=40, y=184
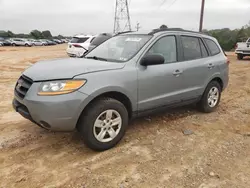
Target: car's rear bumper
x=243, y=52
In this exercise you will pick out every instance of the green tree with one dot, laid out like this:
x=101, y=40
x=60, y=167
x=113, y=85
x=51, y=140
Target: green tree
x=10, y=34
x=47, y=34
x=36, y=34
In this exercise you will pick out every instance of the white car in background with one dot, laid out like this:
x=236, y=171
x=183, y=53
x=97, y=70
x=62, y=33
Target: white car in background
x=79, y=45
x=20, y=42
x=37, y=43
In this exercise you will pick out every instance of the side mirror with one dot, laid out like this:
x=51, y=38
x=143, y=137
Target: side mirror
x=153, y=59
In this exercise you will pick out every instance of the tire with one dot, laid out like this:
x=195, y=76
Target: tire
x=98, y=111
x=26, y=45
x=204, y=105
x=240, y=56
x=13, y=44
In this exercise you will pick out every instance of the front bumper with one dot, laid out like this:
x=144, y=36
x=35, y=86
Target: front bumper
x=56, y=113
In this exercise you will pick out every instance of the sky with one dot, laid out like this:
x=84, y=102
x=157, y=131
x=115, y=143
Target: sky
x=70, y=17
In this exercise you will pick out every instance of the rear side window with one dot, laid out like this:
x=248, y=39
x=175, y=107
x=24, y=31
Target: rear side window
x=203, y=49
x=191, y=48
x=214, y=49
x=79, y=40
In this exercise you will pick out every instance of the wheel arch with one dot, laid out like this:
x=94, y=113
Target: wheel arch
x=217, y=78
x=115, y=94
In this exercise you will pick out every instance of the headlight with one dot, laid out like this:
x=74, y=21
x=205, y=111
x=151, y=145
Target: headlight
x=60, y=87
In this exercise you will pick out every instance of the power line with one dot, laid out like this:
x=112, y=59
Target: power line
x=172, y=4
x=162, y=3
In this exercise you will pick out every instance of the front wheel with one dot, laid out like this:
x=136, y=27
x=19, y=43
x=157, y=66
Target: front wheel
x=211, y=97
x=103, y=124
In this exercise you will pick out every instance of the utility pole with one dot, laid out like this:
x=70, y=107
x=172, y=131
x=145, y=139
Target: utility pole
x=202, y=15
x=137, y=27
x=122, y=17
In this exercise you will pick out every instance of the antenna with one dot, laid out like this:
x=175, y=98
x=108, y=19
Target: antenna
x=122, y=17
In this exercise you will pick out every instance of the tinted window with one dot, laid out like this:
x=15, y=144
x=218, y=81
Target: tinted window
x=99, y=40
x=166, y=47
x=79, y=40
x=191, y=48
x=214, y=49
x=203, y=49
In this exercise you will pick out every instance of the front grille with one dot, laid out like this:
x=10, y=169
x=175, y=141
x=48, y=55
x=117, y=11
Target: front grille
x=22, y=86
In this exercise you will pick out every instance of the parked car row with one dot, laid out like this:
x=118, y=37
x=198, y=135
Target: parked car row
x=80, y=44
x=30, y=42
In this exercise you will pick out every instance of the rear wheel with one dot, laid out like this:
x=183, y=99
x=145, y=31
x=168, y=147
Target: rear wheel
x=13, y=44
x=211, y=97
x=103, y=124
x=240, y=56
x=26, y=45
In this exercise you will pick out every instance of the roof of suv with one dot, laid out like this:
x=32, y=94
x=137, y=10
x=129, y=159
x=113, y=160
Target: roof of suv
x=160, y=31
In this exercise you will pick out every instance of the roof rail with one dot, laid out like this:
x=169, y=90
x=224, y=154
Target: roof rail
x=123, y=32
x=170, y=29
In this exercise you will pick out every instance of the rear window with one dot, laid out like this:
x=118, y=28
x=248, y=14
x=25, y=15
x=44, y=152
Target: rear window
x=99, y=40
x=213, y=47
x=79, y=40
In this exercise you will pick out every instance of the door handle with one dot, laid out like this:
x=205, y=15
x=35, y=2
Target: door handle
x=177, y=72
x=210, y=65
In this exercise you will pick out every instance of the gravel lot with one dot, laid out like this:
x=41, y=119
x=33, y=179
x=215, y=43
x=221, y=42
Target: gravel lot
x=154, y=152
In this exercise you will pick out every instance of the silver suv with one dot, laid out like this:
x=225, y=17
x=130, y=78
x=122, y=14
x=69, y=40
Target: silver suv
x=127, y=76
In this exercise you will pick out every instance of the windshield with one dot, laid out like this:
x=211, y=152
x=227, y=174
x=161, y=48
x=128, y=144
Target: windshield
x=120, y=48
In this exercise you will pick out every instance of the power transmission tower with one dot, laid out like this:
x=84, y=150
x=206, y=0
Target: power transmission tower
x=202, y=15
x=122, y=17
x=137, y=27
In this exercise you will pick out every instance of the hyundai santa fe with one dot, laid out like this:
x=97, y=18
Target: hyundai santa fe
x=127, y=76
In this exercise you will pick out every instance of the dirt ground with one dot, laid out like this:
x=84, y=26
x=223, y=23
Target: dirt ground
x=154, y=152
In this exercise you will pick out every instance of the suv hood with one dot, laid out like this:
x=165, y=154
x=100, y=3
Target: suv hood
x=68, y=68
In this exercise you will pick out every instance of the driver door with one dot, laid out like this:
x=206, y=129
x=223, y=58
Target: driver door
x=161, y=85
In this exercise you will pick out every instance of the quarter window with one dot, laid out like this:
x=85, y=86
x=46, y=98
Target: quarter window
x=203, y=49
x=191, y=48
x=166, y=47
x=214, y=49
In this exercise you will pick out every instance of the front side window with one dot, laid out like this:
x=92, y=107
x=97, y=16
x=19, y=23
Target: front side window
x=214, y=49
x=120, y=48
x=191, y=48
x=166, y=47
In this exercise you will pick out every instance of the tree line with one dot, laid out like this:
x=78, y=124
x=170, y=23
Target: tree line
x=226, y=37
x=35, y=34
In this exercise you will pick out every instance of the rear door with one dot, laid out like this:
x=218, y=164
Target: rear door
x=200, y=65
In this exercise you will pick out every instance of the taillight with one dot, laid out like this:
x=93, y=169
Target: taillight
x=77, y=45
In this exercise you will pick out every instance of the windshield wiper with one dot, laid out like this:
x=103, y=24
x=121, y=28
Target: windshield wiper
x=97, y=58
